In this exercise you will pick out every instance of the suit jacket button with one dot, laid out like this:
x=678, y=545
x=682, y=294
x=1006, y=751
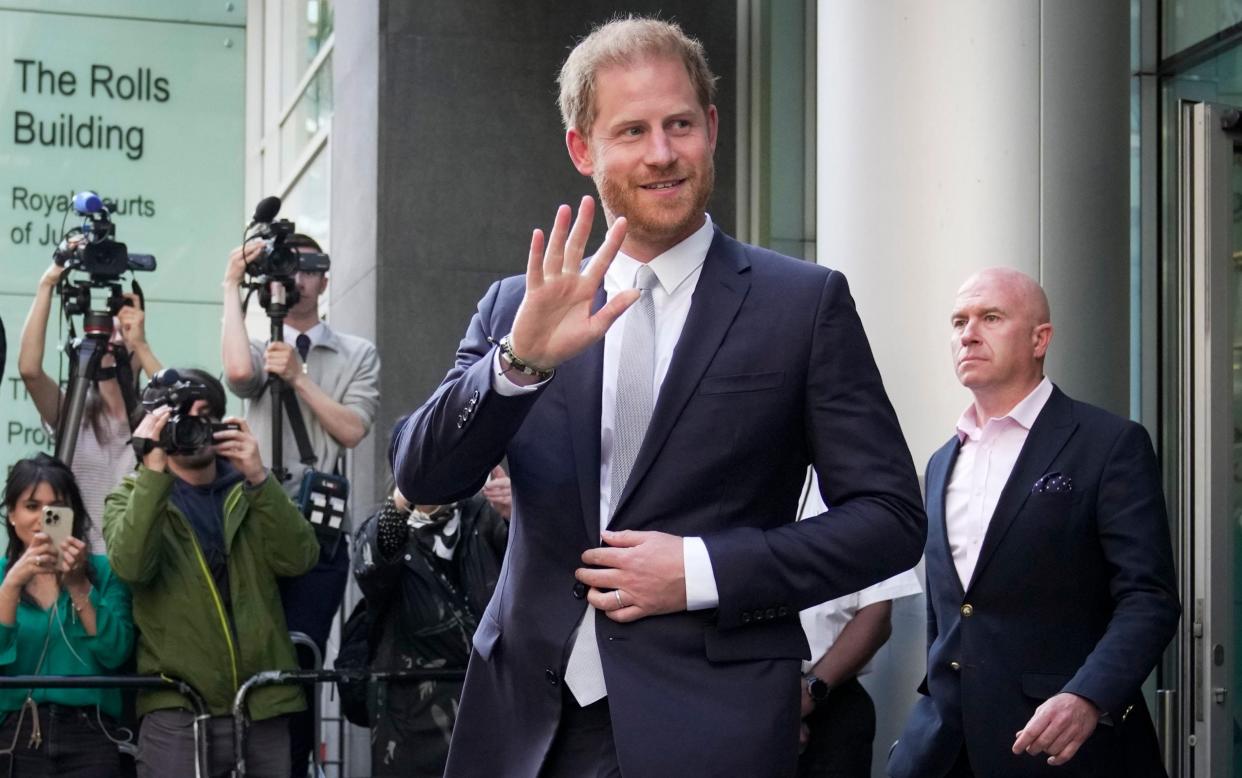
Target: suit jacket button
x=771, y=614
x=551, y=676
x=580, y=590
x=967, y=610
x=782, y=611
x=745, y=617
x=953, y=665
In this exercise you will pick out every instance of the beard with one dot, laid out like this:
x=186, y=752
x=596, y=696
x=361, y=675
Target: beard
x=665, y=222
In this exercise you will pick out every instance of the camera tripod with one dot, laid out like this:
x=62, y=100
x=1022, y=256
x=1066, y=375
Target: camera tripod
x=86, y=357
x=276, y=295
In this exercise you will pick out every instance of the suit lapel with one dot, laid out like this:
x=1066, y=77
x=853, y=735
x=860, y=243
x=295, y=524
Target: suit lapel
x=582, y=378
x=938, y=474
x=1052, y=429
x=719, y=294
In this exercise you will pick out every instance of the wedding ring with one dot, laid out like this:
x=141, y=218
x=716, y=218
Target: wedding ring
x=617, y=593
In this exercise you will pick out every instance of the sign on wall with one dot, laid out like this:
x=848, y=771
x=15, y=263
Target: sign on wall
x=148, y=111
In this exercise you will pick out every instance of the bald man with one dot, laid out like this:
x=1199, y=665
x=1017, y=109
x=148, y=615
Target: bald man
x=1050, y=583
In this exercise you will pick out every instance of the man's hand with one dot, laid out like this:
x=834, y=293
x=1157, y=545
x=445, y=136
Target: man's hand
x=499, y=492
x=238, y=258
x=554, y=321
x=1059, y=728
x=133, y=321
x=645, y=570
x=241, y=448
x=282, y=360
x=149, y=428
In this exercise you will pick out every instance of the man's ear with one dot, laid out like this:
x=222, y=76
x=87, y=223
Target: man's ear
x=1041, y=337
x=713, y=124
x=579, y=151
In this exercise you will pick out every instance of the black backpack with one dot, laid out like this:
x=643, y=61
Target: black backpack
x=357, y=651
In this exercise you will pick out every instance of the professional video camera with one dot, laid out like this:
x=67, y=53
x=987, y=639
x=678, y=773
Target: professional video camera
x=98, y=252
x=278, y=261
x=272, y=274
x=183, y=433
x=92, y=249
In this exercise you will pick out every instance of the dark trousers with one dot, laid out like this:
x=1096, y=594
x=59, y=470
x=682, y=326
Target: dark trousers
x=73, y=746
x=311, y=602
x=166, y=746
x=842, y=729
x=583, y=746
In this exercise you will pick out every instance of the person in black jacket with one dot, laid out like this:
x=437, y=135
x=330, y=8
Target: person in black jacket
x=428, y=572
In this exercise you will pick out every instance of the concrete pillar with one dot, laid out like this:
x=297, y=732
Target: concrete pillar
x=952, y=137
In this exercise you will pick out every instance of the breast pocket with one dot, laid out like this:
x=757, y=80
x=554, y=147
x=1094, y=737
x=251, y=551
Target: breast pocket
x=741, y=382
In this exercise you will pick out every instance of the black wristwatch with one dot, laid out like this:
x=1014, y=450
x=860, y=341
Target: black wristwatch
x=816, y=687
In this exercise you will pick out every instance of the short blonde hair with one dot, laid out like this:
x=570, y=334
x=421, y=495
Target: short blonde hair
x=622, y=42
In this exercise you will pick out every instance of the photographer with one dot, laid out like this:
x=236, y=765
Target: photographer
x=201, y=537
x=335, y=379
x=428, y=572
x=103, y=455
x=62, y=612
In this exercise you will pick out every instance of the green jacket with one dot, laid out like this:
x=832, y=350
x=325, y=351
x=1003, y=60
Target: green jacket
x=184, y=629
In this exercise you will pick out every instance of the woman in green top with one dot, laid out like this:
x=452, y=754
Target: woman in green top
x=60, y=614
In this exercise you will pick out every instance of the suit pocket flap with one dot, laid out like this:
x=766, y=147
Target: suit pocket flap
x=1041, y=686
x=744, y=382
x=784, y=640
x=486, y=635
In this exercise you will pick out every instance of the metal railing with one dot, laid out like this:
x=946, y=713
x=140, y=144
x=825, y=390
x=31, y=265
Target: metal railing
x=241, y=722
x=201, y=713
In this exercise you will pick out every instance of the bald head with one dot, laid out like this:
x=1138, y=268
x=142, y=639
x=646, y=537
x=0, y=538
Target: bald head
x=1001, y=331
x=1023, y=294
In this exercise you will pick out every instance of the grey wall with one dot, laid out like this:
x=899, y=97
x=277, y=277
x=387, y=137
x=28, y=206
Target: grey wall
x=472, y=157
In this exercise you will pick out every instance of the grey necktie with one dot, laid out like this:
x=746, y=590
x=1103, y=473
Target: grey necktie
x=635, y=375
x=584, y=674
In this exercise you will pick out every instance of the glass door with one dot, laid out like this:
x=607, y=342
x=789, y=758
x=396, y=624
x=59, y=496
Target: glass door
x=1200, y=714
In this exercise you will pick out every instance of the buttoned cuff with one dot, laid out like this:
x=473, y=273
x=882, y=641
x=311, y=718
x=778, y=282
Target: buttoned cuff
x=503, y=385
x=701, y=591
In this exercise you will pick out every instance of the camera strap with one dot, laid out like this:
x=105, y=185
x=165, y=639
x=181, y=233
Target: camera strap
x=128, y=382
x=298, y=424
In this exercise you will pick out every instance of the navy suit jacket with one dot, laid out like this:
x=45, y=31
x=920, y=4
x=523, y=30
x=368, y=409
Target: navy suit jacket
x=772, y=372
x=1074, y=591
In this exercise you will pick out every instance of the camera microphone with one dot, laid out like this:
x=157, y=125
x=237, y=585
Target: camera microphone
x=88, y=202
x=265, y=211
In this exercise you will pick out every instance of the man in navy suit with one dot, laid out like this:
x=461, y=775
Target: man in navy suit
x=658, y=406
x=1051, y=591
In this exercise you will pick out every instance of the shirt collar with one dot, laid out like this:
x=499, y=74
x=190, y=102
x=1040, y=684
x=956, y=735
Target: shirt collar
x=1024, y=413
x=319, y=335
x=672, y=268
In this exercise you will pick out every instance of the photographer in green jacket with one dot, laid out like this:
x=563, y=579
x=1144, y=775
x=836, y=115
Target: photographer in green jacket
x=201, y=535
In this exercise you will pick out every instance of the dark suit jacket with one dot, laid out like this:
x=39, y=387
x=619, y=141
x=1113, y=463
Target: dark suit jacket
x=1074, y=591
x=772, y=372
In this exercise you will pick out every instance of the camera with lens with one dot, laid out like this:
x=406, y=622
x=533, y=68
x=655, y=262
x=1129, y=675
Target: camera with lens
x=93, y=248
x=183, y=433
x=279, y=260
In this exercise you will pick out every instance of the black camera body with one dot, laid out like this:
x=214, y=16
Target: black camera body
x=183, y=433
x=98, y=252
x=277, y=261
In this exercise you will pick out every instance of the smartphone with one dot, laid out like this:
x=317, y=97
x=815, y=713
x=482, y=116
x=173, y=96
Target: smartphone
x=58, y=524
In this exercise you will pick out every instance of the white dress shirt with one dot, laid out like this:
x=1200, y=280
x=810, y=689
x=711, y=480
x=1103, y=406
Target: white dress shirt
x=982, y=469
x=678, y=271
x=315, y=333
x=824, y=623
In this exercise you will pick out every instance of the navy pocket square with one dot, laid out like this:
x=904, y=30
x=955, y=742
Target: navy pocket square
x=1053, y=483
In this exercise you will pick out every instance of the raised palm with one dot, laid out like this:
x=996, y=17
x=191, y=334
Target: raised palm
x=554, y=323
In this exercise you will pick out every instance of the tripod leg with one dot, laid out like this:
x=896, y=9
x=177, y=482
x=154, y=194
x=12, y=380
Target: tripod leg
x=86, y=356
